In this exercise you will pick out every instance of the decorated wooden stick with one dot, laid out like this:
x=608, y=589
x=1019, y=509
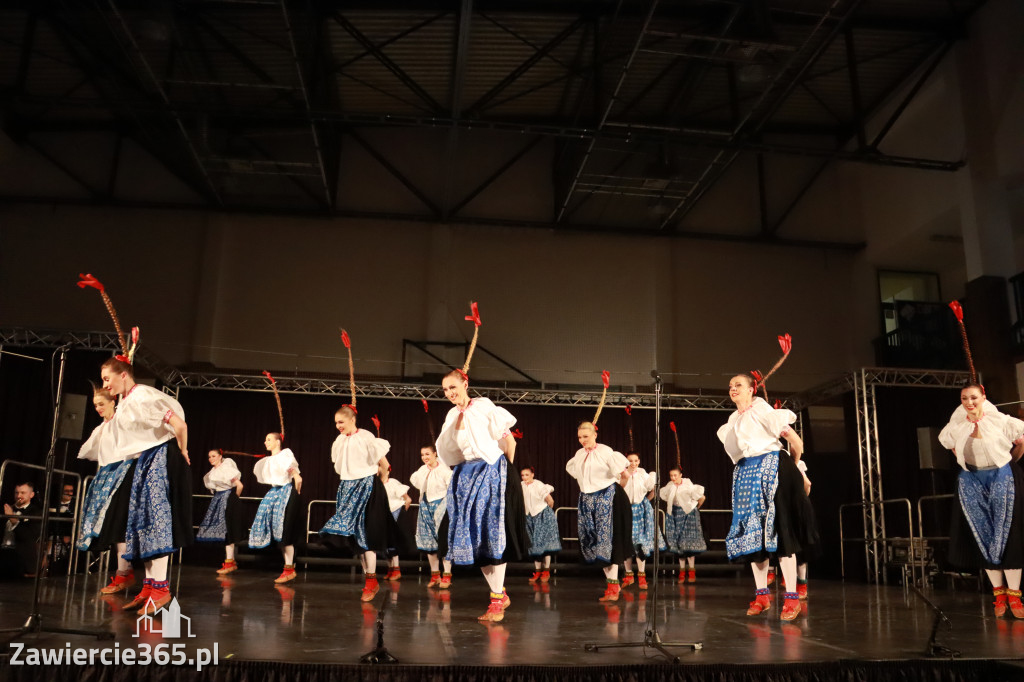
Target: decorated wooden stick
x=474, y=317
x=277, y=399
x=241, y=454
x=430, y=424
x=958, y=312
x=605, y=379
x=376, y=423
x=679, y=452
x=786, y=344
x=351, y=370
x=135, y=346
x=87, y=280
x=629, y=426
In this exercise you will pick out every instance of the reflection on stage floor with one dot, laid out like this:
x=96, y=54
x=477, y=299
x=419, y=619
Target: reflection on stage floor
x=319, y=618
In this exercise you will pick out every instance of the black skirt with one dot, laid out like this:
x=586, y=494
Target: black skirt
x=116, y=521
x=382, y=532
x=233, y=521
x=179, y=481
x=622, y=527
x=963, y=548
x=294, y=531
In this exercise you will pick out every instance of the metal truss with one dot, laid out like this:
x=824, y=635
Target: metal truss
x=863, y=383
x=176, y=380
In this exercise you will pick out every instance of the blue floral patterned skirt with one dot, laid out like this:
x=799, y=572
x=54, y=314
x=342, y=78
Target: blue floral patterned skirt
x=643, y=530
x=363, y=517
x=605, y=526
x=684, y=533
x=543, y=531
x=222, y=522
x=476, y=512
x=160, y=508
x=271, y=522
x=104, y=501
x=427, y=522
x=752, y=532
x=987, y=530
x=350, y=516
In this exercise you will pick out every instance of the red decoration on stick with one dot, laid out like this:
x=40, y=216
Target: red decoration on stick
x=778, y=404
x=679, y=450
x=89, y=281
x=629, y=410
x=345, y=340
x=758, y=378
x=376, y=424
x=277, y=399
x=672, y=425
x=953, y=305
x=958, y=311
x=605, y=378
x=426, y=407
x=475, y=316
x=786, y=343
x=517, y=433
x=269, y=378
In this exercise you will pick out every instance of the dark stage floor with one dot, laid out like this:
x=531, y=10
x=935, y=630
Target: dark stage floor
x=319, y=618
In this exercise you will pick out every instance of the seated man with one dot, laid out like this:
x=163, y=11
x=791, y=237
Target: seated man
x=58, y=551
x=21, y=537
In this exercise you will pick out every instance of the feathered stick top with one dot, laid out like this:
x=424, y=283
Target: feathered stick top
x=277, y=399
x=679, y=451
x=351, y=371
x=87, y=280
x=430, y=424
x=958, y=312
x=629, y=426
x=605, y=378
x=376, y=424
x=474, y=317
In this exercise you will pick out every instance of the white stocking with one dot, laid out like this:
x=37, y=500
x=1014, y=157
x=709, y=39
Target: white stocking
x=760, y=569
x=788, y=567
x=495, y=577
x=432, y=560
x=157, y=568
x=1013, y=578
x=611, y=572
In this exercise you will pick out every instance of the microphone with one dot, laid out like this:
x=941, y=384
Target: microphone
x=656, y=375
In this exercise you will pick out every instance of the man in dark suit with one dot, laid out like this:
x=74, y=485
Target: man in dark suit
x=21, y=537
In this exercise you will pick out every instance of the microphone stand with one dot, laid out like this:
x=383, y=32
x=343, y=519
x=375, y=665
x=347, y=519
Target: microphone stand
x=34, y=622
x=652, y=638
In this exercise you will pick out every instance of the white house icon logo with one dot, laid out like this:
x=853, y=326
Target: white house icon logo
x=170, y=622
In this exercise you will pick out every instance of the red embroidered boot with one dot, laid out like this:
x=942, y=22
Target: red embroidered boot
x=495, y=612
x=791, y=607
x=435, y=579
x=393, y=574
x=446, y=581
x=287, y=574
x=762, y=602
x=627, y=579
x=1013, y=601
x=371, y=587
x=1000, y=602
x=119, y=583
x=641, y=581
x=545, y=576
x=771, y=576
x=535, y=577
x=159, y=597
x=227, y=567
x=801, y=589
x=691, y=575
x=611, y=592
x=141, y=597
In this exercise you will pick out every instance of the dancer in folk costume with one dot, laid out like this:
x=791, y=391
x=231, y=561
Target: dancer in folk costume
x=363, y=515
x=802, y=557
x=683, y=531
x=485, y=524
x=541, y=525
x=639, y=487
x=767, y=491
x=105, y=506
x=223, y=520
x=398, y=504
x=148, y=425
x=605, y=514
x=279, y=517
x=987, y=527
x=432, y=480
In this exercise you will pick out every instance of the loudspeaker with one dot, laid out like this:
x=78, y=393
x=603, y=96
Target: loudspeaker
x=72, y=416
x=930, y=454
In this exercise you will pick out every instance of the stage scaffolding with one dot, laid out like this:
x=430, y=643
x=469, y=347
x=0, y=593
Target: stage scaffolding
x=863, y=383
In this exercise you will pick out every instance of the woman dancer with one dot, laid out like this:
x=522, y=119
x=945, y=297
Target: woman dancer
x=683, y=531
x=541, y=525
x=639, y=489
x=477, y=443
x=398, y=501
x=279, y=516
x=605, y=516
x=767, y=488
x=362, y=515
x=105, y=507
x=987, y=528
x=222, y=522
x=432, y=480
x=151, y=423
